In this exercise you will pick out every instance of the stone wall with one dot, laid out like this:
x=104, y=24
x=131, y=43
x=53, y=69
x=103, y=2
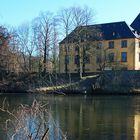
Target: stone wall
x=120, y=81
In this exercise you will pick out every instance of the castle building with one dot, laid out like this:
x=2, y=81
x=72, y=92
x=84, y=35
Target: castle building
x=93, y=48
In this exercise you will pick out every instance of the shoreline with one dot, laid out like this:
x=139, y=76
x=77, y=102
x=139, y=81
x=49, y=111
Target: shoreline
x=88, y=85
x=71, y=92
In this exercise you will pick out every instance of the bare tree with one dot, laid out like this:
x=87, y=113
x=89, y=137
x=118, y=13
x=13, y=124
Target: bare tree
x=81, y=17
x=45, y=28
x=23, y=45
x=26, y=47
x=75, y=17
x=37, y=43
x=101, y=56
x=5, y=56
x=55, y=40
x=65, y=18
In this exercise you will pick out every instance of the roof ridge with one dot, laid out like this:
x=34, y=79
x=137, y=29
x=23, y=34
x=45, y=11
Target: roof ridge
x=105, y=23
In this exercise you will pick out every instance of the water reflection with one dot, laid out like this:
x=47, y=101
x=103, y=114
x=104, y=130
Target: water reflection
x=137, y=127
x=29, y=122
x=95, y=117
x=92, y=118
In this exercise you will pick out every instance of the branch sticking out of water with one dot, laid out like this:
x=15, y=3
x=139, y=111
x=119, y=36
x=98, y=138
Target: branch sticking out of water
x=29, y=122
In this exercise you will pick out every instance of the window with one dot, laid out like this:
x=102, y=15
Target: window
x=76, y=60
x=98, y=59
x=99, y=45
x=67, y=48
x=87, y=47
x=77, y=49
x=111, y=44
x=86, y=59
x=124, y=68
x=0, y=42
x=66, y=59
x=124, y=56
x=87, y=69
x=111, y=57
x=124, y=44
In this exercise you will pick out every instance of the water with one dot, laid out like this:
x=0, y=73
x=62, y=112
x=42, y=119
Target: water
x=89, y=117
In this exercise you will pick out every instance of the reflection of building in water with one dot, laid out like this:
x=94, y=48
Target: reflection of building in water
x=96, y=119
x=137, y=127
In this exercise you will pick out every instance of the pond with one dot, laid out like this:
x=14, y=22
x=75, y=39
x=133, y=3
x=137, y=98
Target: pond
x=82, y=117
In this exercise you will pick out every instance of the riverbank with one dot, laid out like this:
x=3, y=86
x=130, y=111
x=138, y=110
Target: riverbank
x=92, y=85
x=85, y=85
x=58, y=84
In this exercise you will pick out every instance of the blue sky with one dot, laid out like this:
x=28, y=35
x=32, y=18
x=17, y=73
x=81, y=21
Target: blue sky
x=16, y=12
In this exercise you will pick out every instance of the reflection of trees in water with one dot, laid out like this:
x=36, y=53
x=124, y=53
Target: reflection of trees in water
x=31, y=122
x=89, y=118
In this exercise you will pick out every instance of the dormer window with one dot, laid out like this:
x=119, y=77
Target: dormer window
x=114, y=33
x=100, y=35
